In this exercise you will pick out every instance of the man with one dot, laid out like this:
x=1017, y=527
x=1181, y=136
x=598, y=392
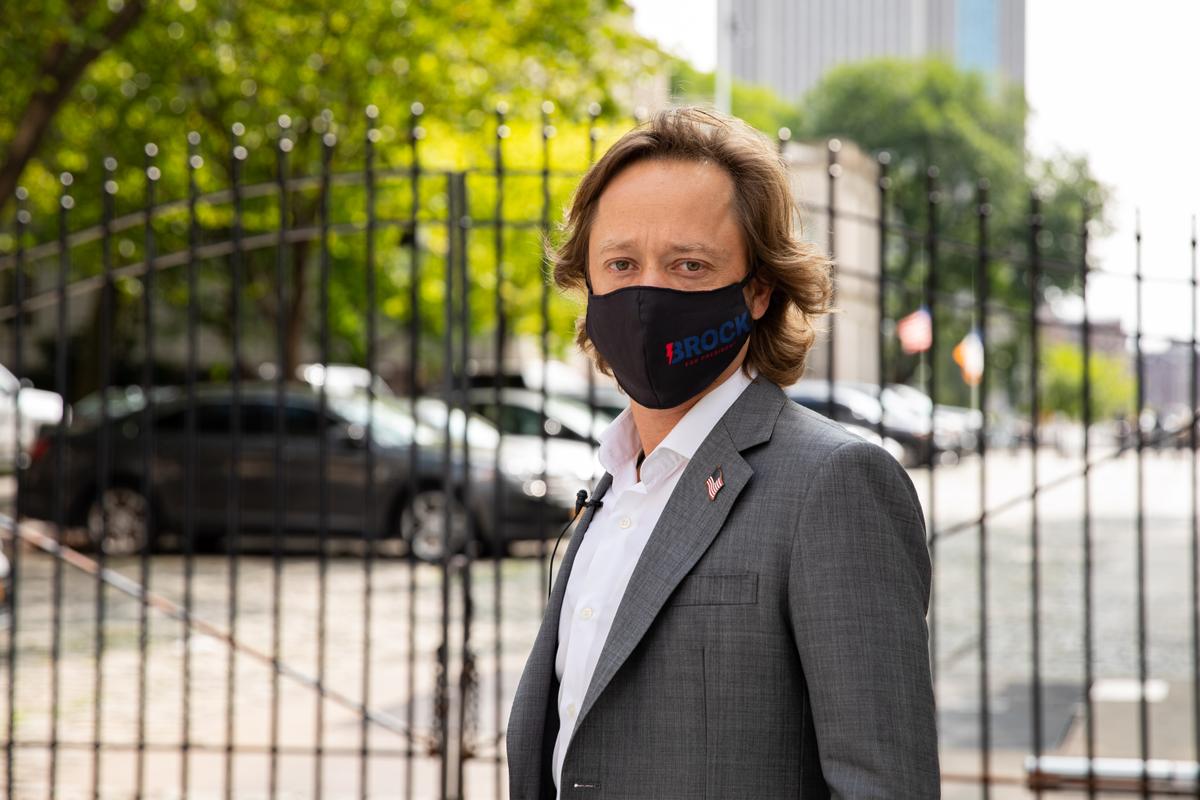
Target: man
x=743, y=615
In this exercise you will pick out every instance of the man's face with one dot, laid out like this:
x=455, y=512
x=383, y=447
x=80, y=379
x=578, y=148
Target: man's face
x=669, y=223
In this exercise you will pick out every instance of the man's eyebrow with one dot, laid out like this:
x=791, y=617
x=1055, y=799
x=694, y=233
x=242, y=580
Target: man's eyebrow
x=676, y=247
x=614, y=244
x=695, y=247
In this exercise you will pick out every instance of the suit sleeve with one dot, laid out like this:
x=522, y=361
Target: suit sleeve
x=858, y=594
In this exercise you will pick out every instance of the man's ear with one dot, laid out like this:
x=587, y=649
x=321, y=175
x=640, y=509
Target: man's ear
x=760, y=297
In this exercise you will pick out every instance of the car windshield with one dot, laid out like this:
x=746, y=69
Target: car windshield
x=574, y=414
x=8, y=381
x=391, y=422
x=857, y=403
x=343, y=379
x=88, y=411
x=432, y=412
x=431, y=418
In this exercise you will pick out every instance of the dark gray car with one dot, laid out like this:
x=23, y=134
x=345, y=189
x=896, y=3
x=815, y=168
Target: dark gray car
x=407, y=505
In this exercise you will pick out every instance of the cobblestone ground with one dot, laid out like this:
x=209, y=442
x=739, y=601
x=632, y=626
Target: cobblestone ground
x=955, y=499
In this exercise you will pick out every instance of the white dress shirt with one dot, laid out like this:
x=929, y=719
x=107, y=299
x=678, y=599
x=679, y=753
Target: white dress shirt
x=615, y=538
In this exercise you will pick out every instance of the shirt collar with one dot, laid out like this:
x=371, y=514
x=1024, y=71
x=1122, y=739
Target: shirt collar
x=620, y=443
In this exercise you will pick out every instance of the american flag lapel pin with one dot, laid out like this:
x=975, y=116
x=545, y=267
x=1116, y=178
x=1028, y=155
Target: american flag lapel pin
x=714, y=483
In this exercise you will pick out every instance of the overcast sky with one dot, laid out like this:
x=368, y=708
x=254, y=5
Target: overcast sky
x=1112, y=79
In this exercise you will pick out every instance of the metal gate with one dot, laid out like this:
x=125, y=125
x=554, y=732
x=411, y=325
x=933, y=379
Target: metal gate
x=223, y=657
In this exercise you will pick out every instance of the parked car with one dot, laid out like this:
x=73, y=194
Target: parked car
x=955, y=429
x=1162, y=429
x=562, y=381
x=36, y=407
x=6, y=590
x=134, y=519
x=852, y=405
x=343, y=378
x=558, y=466
x=520, y=413
x=886, y=442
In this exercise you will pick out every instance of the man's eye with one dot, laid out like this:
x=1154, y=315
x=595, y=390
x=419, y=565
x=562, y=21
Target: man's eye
x=620, y=264
x=693, y=266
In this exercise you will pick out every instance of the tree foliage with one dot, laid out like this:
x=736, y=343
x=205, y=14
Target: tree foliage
x=304, y=70
x=1112, y=385
x=757, y=105
x=928, y=113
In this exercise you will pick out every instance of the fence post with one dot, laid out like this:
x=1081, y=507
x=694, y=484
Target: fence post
x=108, y=297
x=932, y=198
x=547, y=133
x=1194, y=515
x=1143, y=703
x=194, y=162
x=832, y=170
x=983, y=210
x=328, y=141
x=153, y=174
x=885, y=183
x=233, y=514
x=283, y=147
x=23, y=219
x=467, y=677
x=1086, y=340
x=502, y=133
x=415, y=134
x=1035, y=276
x=61, y=371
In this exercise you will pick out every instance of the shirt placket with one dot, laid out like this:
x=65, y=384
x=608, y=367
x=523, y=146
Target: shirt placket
x=596, y=600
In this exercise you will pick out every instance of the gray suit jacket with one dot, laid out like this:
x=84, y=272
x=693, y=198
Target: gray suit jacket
x=771, y=643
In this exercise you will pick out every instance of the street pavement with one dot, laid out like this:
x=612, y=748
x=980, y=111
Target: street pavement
x=953, y=501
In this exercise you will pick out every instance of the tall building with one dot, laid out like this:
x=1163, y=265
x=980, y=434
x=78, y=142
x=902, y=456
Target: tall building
x=789, y=44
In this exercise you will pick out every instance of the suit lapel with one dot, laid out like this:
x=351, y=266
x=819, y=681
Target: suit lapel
x=688, y=524
x=533, y=692
x=554, y=605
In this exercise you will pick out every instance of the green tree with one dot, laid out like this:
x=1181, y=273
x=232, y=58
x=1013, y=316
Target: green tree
x=312, y=66
x=929, y=113
x=757, y=105
x=1112, y=385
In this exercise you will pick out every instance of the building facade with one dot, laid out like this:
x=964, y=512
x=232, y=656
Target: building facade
x=788, y=45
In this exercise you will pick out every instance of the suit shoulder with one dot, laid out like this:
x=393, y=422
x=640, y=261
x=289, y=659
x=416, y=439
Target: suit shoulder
x=815, y=433
x=811, y=443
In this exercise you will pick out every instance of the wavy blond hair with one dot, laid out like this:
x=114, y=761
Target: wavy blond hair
x=799, y=274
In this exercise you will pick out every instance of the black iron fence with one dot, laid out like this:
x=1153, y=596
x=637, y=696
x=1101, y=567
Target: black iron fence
x=153, y=526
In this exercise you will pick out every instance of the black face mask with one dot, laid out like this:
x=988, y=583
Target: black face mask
x=665, y=346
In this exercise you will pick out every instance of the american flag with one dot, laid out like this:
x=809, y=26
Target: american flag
x=714, y=483
x=915, y=331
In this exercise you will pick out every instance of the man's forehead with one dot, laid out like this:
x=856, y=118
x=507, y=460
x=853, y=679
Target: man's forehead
x=678, y=172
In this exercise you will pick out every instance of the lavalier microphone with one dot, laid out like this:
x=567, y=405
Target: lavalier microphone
x=581, y=502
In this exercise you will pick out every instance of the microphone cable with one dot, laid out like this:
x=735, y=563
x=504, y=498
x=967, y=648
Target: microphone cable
x=581, y=502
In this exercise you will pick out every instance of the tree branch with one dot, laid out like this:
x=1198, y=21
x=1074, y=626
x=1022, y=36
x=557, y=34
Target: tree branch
x=60, y=71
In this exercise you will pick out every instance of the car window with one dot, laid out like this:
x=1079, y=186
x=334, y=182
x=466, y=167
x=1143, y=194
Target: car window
x=257, y=418
x=171, y=422
x=521, y=421
x=8, y=382
x=302, y=421
x=211, y=419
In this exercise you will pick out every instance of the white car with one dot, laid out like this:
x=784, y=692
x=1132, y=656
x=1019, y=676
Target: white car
x=4, y=590
x=37, y=407
x=342, y=378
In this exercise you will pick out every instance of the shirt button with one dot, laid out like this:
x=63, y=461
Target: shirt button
x=570, y=709
x=625, y=522
x=586, y=613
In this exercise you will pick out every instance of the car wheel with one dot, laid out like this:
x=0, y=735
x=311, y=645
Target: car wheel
x=423, y=524
x=128, y=521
